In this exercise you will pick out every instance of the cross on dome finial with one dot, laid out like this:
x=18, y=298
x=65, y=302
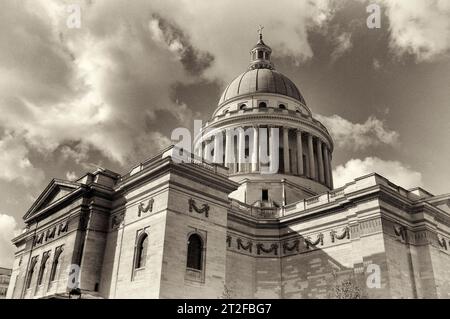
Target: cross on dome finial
x=260, y=28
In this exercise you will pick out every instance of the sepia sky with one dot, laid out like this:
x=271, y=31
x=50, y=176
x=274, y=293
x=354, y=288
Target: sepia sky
x=109, y=93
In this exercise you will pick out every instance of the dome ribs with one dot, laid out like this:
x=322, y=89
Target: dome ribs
x=261, y=81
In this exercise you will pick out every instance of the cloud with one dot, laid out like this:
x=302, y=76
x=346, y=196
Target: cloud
x=78, y=153
x=194, y=61
x=228, y=29
x=96, y=87
x=71, y=176
x=358, y=136
x=419, y=27
x=99, y=87
x=343, y=44
x=8, y=230
x=395, y=171
x=15, y=163
x=376, y=64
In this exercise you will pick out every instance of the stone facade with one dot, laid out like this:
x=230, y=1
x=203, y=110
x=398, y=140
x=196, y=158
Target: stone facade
x=209, y=225
x=302, y=250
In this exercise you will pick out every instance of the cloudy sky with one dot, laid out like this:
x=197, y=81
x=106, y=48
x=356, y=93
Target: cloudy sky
x=110, y=92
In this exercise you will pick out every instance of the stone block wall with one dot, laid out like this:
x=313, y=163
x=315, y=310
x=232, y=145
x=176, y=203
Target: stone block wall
x=183, y=221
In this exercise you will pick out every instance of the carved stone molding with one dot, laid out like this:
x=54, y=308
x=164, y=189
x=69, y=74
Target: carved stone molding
x=50, y=233
x=38, y=239
x=33, y=262
x=345, y=233
x=228, y=241
x=295, y=246
x=63, y=227
x=45, y=256
x=117, y=220
x=309, y=243
x=442, y=243
x=58, y=251
x=204, y=209
x=248, y=247
x=400, y=231
x=272, y=249
x=144, y=209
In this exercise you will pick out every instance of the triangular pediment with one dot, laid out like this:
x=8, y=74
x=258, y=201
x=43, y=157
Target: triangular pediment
x=56, y=191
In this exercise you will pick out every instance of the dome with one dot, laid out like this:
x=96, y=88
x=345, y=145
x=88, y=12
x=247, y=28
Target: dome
x=261, y=77
x=261, y=80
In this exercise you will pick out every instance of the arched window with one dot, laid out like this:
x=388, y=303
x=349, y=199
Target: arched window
x=55, y=263
x=262, y=104
x=282, y=106
x=141, y=251
x=194, y=254
x=242, y=106
x=42, y=269
x=31, y=271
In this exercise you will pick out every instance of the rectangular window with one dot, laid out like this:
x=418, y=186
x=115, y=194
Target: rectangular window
x=265, y=195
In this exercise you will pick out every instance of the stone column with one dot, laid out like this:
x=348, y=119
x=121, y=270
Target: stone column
x=327, y=165
x=228, y=149
x=271, y=147
x=299, y=153
x=330, y=169
x=312, y=165
x=202, y=150
x=241, y=150
x=207, y=154
x=218, y=151
x=199, y=150
x=320, y=161
x=255, y=150
x=286, y=150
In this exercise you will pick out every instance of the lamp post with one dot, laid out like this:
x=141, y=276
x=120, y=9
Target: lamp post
x=76, y=292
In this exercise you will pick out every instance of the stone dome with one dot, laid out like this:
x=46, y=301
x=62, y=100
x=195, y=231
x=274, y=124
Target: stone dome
x=265, y=134
x=261, y=80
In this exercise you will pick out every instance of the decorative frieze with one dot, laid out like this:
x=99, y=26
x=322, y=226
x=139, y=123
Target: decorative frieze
x=442, y=243
x=50, y=233
x=345, y=233
x=142, y=208
x=369, y=226
x=117, y=220
x=228, y=241
x=204, y=209
x=272, y=249
x=288, y=247
x=400, y=231
x=295, y=246
x=248, y=247
x=310, y=243
x=63, y=227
